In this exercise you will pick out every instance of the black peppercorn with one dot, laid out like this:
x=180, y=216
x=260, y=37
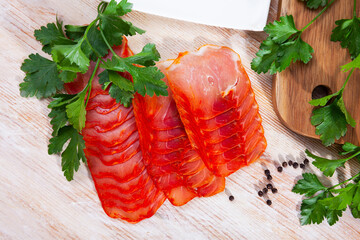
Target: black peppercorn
x=284, y=164
x=302, y=165
x=265, y=190
x=267, y=172
x=260, y=193
x=269, y=186
x=268, y=202
x=295, y=165
x=269, y=177
x=290, y=163
x=306, y=161
x=231, y=198
x=274, y=190
x=279, y=169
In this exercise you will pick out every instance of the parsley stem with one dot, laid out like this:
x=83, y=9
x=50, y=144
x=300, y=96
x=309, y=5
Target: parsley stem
x=347, y=180
x=319, y=14
x=90, y=80
x=354, y=8
x=87, y=31
x=347, y=79
x=107, y=43
x=102, y=6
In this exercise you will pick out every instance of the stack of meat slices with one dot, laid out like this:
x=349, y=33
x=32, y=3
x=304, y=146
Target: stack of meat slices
x=176, y=168
x=177, y=147
x=217, y=106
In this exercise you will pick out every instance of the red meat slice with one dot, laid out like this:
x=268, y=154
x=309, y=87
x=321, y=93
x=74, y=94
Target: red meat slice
x=116, y=163
x=175, y=167
x=217, y=106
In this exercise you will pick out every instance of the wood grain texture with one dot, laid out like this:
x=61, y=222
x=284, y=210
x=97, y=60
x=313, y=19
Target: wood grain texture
x=293, y=87
x=36, y=201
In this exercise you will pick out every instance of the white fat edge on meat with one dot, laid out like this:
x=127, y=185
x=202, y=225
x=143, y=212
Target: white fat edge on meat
x=237, y=60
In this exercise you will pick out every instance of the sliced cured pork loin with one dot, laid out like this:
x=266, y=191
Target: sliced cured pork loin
x=174, y=166
x=217, y=106
x=113, y=153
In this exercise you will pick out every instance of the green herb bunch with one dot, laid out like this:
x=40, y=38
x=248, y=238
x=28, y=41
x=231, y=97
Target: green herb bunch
x=331, y=119
x=71, y=52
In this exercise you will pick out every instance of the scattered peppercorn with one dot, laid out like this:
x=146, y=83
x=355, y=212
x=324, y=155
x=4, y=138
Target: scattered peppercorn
x=295, y=165
x=269, y=186
x=302, y=165
x=284, y=164
x=265, y=190
x=306, y=161
x=260, y=193
x=268, y=202
x=231, y=198
x=274, y=190
x=279, y=169
x=269, y=177
x=290, y=163
x=267, y=172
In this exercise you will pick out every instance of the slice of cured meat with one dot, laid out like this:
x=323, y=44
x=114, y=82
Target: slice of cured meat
x=175, y=167
x=217, y=106
x=113, y=153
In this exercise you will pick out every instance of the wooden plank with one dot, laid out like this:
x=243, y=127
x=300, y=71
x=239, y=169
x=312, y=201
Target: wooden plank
x=36, y=201
x=293, y=87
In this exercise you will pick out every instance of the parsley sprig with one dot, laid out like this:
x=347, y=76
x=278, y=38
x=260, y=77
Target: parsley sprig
x=315, y=4
x=347, y=33
x=284, y=44
x=332, y=118
x=71, y=52
x=329, y=202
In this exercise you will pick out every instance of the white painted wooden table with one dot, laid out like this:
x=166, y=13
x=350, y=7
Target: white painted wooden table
x=36, y=201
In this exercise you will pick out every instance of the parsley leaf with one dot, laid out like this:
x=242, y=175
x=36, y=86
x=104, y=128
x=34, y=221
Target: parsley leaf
x=42, y=77
x=266, y=57
x=293, y=51
x=355, y=205
x=113, y=26
x=98, y=45
x=67, y=76
x=121, y=88
x=51, y=35
x=70, y=57
x=147, y=80
x=347, y=33
x=332, y=216
x=351, y=65
x=75, y=32
x=309, y=185
x=324, y=100
x=59, y=119
x=280, y=31
x=73, y=153
x=76, y=111
x=351, y=149
x=327, y=166
x=312, y=211
x=330, y=121
x=283, y=46
x=343, y=199
x=315, y=4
